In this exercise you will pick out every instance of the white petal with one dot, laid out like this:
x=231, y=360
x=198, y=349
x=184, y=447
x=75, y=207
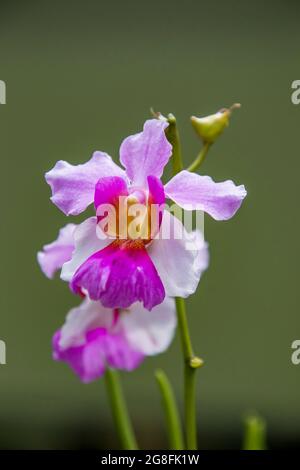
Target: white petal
x=179, y=259
x=87, y=241
x=150, y=332
x=86, y=316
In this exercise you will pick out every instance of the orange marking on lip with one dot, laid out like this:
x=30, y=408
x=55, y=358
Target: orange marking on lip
x=130, y=222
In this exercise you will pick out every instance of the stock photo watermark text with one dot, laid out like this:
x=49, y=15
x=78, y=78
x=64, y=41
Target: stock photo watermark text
x=2, y=352
x=295, y=96
x=295, y=357
x=138, y=220
x=2, y=92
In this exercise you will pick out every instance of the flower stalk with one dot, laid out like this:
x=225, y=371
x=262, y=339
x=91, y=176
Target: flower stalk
x=255, y=433
x=200, y=157
x=174, y=139
x=171, y=413
x=191, y=362
x=120, y=411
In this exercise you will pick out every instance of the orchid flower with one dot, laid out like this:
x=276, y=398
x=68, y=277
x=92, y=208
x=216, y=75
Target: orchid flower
x=124, y=273
x=121, y=271
x=94, y=337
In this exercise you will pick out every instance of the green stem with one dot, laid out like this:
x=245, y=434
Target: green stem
x=171, y=412
x=255, y=433
x=200, y=158
x=174, y=139
x=119, y=411
x=191, y=364
x=184, y=329
x=190, y=408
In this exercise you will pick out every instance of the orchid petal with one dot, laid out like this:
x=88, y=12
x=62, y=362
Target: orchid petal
x=192, y=191
x=119, y=275
x=55, y=254
x=151, y=332
x=73, y=186
x=146, y=153
x=179, y=257
x=88, y=239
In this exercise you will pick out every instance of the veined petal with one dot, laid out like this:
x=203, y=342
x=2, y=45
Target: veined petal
x=150, y=332
x=74, y=356
x=156, y=201
x=192, y=191
x=73, y=186
x=109, y=189
x=120, y=354
x=146, y=153
x=101, y=349
x=156, y=191
x=179, y=258
x=87, y=316
x=201, y=252
x=119, y=275
x=88, y=239
x=91, y=339
x=55, y=254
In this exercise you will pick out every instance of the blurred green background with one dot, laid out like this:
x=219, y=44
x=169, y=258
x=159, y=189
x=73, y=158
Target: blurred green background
x=81, y=76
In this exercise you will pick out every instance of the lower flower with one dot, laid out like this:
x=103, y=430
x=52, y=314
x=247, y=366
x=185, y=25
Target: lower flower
x=94, y=337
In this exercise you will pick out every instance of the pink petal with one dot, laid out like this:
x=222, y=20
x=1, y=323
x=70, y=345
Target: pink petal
x=55, y=254
x=74, y=356
x=109, y=189
x=156, y=201
x=119, y=275
x=73, y=186
x=191, y=191
x=120, y=354
x=91, y=339
x=101, y=349
x=146, y=153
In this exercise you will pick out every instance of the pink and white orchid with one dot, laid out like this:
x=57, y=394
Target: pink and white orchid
x=118, y=271
x=94, y=337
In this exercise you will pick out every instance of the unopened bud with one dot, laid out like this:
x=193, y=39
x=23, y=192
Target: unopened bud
x=196, y=362
x=210, y=127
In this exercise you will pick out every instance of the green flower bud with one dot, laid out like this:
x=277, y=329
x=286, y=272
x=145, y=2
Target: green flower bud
x=195, y=362
x=210, y=127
